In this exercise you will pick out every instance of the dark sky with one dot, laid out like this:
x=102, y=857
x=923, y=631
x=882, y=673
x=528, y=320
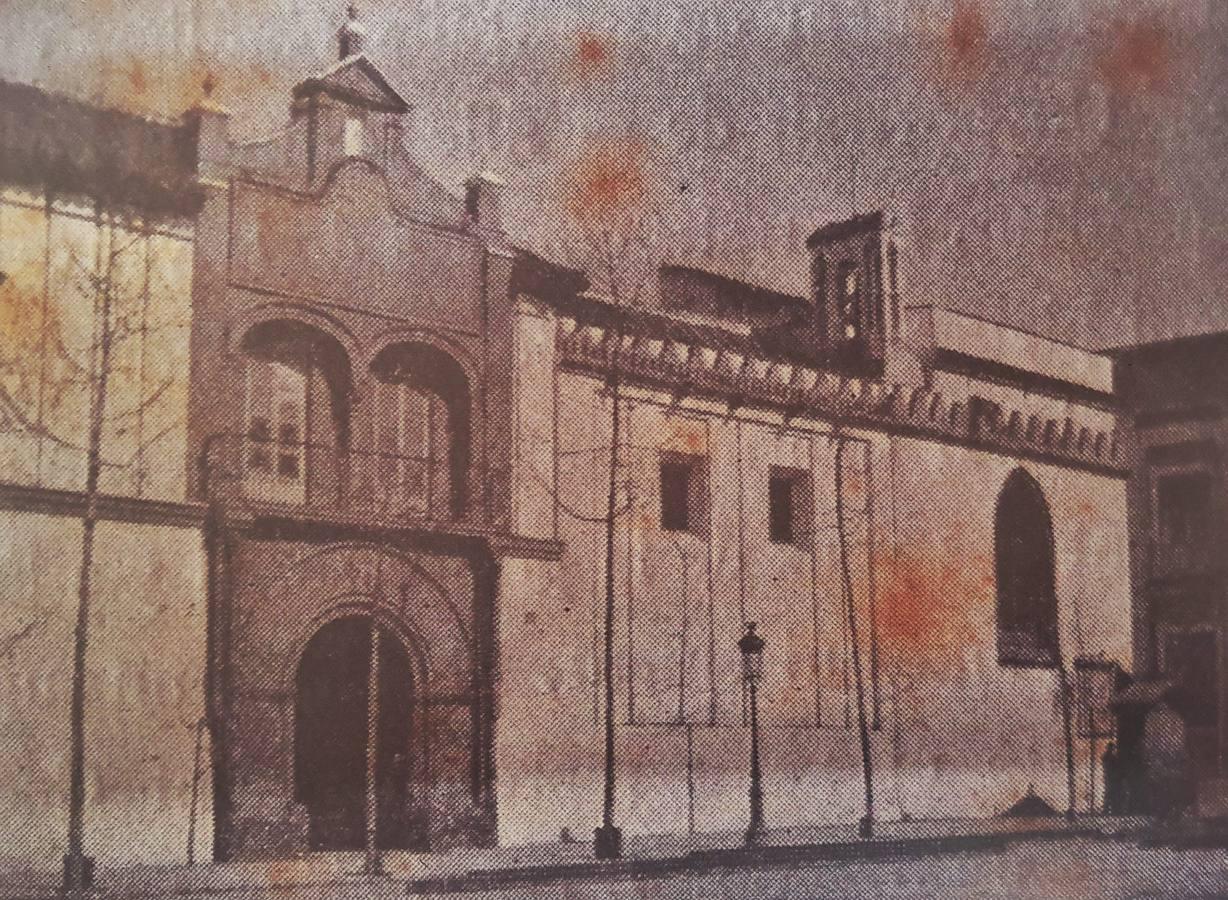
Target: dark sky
x=1057, y=165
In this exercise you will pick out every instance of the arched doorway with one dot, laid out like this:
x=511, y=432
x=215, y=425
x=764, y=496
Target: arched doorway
x=331, y=738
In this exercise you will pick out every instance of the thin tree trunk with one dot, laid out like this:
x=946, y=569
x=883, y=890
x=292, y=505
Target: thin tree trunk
x=75, y=875
x=1068, y=730
x=607, y=809
x=372, y=864
x=867, y=762
x=76, y=790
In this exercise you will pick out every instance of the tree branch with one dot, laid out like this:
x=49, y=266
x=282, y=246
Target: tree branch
x=9, y=644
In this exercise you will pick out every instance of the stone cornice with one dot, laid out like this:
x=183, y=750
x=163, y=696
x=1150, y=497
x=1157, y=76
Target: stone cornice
x=796, y=389
x=143, y=511
x=253, y=516
x=111, y=507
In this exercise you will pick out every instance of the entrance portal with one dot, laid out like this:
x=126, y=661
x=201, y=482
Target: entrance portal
x=331, y=737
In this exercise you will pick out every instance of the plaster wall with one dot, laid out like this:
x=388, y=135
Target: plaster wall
x=953, y=732
x=58, y=257
x=142, y=706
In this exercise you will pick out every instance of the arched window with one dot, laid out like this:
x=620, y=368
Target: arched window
x=1023, y=558
x=422, y=434
x=296, y=412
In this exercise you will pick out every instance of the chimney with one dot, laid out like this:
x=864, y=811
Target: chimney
x=352, y=36
x=484, y=201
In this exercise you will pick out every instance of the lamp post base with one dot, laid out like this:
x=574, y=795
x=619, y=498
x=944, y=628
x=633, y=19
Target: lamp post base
x=865, y=828
x=754, y=836
x=78, y=874
x=608, y=842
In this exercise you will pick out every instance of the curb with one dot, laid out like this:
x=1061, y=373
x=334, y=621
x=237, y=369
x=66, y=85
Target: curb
x=735, y=857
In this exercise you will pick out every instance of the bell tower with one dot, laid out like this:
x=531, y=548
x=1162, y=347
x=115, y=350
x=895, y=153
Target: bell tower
x=853, y=290
x=350, y=109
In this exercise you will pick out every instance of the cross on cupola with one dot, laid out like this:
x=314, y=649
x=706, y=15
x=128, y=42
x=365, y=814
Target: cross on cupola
x=352, y=36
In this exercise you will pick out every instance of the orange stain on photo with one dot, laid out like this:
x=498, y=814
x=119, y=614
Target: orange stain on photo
x=967, y=37
x=927, y=606
x=1087, y=511
x=592, y=56
x=609, y=182
x=961, y=46
x=22, y=327
x=688, y=437
x=1138, y=55
x=854, y=484
x=167, y=86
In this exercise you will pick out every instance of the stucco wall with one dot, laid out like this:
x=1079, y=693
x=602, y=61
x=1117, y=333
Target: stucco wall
x=958, y=734
x=58, y=258
x=144, y=691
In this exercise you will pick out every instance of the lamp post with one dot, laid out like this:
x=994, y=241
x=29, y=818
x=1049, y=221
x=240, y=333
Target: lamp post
x=751, y=646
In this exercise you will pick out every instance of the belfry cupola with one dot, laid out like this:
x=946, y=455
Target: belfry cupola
x=350, y=109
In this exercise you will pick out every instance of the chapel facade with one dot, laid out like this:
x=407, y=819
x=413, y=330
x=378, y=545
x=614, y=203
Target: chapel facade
x=373, y=515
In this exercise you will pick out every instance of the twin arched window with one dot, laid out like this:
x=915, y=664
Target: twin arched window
x=297, y=446
x=1024, y=565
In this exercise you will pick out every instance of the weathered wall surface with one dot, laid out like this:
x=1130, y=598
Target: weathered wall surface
x=957, y=734
x=144, y=691
x=354, y=249
x=59, y=258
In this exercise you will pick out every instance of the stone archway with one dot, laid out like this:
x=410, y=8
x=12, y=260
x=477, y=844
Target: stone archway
x=332, y=738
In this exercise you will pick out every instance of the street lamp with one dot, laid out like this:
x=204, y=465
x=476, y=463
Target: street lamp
x=751, y=646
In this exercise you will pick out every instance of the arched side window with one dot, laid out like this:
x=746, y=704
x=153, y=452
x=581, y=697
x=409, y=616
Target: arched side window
x=1024, y=564
x=296, y=412
x=422, y=434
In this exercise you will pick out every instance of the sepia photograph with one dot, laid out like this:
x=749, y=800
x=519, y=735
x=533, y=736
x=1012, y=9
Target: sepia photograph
x=673, y=449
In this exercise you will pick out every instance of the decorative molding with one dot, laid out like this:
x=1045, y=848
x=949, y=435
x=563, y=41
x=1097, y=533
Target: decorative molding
x=797, y=389
x=334, y=526
x=111, y=507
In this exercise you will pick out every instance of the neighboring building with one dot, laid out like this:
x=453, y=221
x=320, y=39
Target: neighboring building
x=395, y=436
x=1170, y=392
x=95, y=201
x=984, y=509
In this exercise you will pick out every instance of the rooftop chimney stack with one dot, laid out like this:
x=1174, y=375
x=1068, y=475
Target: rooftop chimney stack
x=352, y=37
x=484, y=201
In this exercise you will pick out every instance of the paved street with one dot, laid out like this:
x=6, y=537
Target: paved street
x=1043, y=869
x=1071, y=867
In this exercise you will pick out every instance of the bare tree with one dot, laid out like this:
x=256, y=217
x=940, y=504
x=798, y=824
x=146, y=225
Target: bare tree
x=611, y=235
x=31, y=390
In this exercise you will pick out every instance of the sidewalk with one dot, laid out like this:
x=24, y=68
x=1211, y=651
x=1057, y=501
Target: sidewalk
x=338, y=874
x=664, y=855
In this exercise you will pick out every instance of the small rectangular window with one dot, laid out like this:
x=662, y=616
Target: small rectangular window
x=675, y=493
x=683, y=492
x=288, y=465
x=259, y=434
x=789, y=504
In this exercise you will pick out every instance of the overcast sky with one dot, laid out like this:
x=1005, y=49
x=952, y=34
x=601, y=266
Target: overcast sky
x=1057, y=165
